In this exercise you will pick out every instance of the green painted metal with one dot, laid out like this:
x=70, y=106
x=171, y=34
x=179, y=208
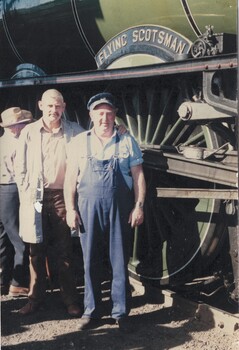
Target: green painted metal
x=118, y=15
x=62, y=36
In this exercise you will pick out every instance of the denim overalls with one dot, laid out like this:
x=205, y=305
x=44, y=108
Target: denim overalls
x=105, y=202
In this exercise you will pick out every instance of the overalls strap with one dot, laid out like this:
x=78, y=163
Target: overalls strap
x=89, y=152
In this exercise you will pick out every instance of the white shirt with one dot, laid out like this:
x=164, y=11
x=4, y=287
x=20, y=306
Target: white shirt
x=8, y=146
x=53, y=158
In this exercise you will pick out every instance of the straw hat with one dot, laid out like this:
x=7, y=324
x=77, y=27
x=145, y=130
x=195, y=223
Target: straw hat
x=15, y=115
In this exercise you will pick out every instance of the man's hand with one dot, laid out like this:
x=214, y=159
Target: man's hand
x=136, y=217
x=121, y=129
x=73, y=219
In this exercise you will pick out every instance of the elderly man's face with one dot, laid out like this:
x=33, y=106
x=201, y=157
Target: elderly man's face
x=103, y=117
x=16, y=129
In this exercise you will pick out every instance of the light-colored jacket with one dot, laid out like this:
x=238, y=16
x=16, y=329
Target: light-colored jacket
x=29, y=177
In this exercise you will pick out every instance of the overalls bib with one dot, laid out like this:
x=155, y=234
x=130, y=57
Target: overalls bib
x=105, y=202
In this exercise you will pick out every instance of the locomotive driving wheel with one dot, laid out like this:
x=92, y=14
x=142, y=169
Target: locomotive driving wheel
x=180, y=237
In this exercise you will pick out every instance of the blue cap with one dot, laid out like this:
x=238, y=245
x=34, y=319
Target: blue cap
x=103, y=97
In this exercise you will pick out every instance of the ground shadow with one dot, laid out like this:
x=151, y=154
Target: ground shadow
x=154, y=328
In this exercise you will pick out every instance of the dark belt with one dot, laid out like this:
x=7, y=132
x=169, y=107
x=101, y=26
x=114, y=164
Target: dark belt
x=13, y=183
x=52, y=190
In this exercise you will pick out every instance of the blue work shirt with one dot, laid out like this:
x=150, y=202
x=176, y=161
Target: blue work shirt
x=130, y=154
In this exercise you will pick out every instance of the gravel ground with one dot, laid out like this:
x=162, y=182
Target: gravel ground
x=156, y=326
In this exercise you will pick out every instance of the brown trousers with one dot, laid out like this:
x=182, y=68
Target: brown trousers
x=57, y=234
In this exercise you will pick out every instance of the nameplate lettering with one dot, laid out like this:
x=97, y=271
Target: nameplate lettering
x=153, y=40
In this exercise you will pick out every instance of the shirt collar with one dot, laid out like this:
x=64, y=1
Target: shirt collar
x=112, y=136
x=55, y=131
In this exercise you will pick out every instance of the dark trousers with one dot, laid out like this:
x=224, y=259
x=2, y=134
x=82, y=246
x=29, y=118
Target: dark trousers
x=14, y=272
x=57, y=234
x=6, y=257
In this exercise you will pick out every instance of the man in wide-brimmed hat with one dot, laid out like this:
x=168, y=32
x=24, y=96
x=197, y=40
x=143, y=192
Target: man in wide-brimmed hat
x=15, y=116
x=13, y=250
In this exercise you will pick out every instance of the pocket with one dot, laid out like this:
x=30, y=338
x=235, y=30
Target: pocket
x=101, y=166
x=124, y=154
x=27, y=194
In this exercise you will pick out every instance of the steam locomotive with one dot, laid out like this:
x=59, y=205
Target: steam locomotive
x=173, y=67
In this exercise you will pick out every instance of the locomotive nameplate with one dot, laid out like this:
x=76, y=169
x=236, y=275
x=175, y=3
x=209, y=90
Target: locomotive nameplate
x=153, y=40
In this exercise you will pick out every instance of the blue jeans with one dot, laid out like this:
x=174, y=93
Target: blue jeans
x=9, y=218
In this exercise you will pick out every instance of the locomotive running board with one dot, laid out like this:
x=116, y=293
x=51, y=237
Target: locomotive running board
x=214, y=172
x=207, y=64
x=196, y=193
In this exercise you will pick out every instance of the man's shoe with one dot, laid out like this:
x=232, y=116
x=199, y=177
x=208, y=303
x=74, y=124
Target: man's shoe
x=125, y=325
x=4, y=290
x=18, y=291
x=88, y=323
x=29, y=308
x=234, y=297
x=73, y=310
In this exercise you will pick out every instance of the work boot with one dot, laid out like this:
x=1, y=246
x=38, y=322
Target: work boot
x=88, y=323
x=29, y=308
x=125, y=325
x=73, y=310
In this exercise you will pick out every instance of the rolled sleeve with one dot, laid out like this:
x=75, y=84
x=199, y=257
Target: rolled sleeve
x=136, y=162
x=136, y=156
x=129, y=157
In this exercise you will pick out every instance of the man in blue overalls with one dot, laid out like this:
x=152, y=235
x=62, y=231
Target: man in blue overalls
x=106, y=170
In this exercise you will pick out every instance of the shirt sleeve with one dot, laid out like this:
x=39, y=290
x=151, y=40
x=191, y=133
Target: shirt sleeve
x=136, y=156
